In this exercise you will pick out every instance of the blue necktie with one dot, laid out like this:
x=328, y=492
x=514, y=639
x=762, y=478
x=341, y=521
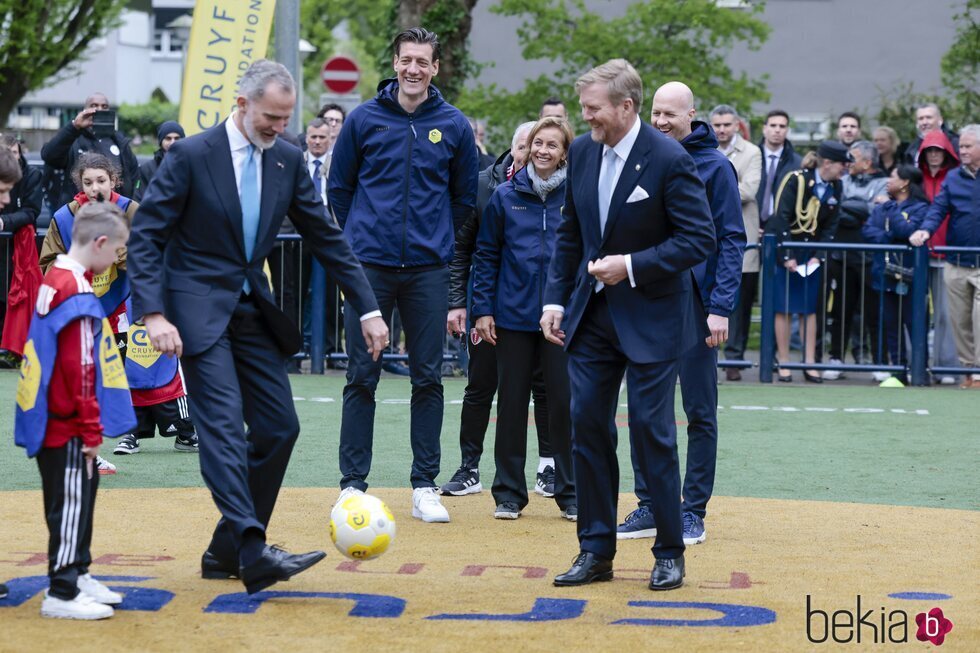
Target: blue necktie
x=250, y=207
x=607, y=178
x=317, y=182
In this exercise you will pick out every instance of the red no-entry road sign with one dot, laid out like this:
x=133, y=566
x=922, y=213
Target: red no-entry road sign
x=340, y=74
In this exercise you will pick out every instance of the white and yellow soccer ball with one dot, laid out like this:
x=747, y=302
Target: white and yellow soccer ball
x=362, y=527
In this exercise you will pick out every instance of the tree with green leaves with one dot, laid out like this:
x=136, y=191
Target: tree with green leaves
x=664, y=40
x=41, y=39
x=961, y=65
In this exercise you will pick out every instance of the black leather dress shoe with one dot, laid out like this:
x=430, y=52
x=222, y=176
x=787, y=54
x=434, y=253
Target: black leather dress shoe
x=667, y=574
x=214, y=568
x=276, y=565
x=586, y=568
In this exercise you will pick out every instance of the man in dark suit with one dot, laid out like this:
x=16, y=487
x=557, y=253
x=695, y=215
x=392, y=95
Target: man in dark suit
x=621, y=298
x=778, y=160
x=207, y=223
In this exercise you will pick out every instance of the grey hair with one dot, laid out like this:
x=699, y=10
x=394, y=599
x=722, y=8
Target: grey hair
x=868, y=151
x=722, y=110
x=929, y=105
x=316, y=123
x=260, y=74
x=521, y=128
x=621, y=79
x=971, y=130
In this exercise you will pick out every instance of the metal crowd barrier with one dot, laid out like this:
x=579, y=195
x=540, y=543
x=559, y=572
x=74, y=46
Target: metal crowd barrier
x=916, y=259
x=917, y=370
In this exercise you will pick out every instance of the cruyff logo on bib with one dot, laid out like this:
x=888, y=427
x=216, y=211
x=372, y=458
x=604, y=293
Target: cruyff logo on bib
x=140, y=350
x=102, y=282
x=110, y=360
x=30, y=378
x=435, y=136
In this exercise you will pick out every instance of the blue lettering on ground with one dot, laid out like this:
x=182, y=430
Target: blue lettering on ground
x=365, y=605
x=543, y=610
x=142, y=599
x=733, y=616
x=920, y=596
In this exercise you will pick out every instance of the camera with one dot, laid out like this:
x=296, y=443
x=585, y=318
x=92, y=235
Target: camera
x=104, y=123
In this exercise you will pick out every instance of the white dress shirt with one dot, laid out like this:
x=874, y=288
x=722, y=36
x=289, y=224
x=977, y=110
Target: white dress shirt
x=239, y=152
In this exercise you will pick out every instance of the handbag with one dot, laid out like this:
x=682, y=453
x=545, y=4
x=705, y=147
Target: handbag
x=896, y=271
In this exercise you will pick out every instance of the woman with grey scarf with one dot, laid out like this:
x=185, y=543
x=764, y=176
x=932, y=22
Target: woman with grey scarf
x=510, y=268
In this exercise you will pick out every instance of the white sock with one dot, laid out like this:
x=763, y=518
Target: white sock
x=545, y=462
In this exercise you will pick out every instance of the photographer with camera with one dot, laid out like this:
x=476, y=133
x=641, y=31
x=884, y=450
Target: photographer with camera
x=92, y=130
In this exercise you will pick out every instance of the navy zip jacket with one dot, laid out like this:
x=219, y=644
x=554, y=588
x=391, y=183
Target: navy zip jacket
x=513, y=252
x=892, y=223
x=959, y=196
x=401, y=184
x=719, y=276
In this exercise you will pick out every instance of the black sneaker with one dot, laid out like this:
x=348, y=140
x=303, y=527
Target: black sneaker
x=570, y=513
x=3, y=591
x=507, y=510
x=545, y=484
x=464, y=481
x=128, y=444
x=187, y=444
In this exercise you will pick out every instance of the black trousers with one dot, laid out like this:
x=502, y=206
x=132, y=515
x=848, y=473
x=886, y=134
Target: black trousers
x=698, y=372
x=518, y=354
x=69, y=503
x=596, y=364
x=853, y=296
x=242, y=378
x=481, y=386
x=741, y=318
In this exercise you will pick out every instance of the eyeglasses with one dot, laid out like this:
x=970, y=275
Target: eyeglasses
x=333, y=121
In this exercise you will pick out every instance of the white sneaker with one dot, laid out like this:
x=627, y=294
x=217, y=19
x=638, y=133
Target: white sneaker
x=833, y=375
x=427, y=506
x=98, y=591
x=347, y=493
x=947, y=380
x=82, y=606
x=104, y=466
x=880, y=376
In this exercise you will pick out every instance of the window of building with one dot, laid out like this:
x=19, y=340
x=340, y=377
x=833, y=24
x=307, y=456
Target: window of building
x=165, y=39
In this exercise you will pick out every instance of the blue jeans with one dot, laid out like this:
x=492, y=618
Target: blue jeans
x=422, y=298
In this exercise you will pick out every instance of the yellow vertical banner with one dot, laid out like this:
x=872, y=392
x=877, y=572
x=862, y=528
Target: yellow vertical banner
x=226, y=37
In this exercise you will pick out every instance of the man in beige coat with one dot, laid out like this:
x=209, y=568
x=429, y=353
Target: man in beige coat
x=747, y=159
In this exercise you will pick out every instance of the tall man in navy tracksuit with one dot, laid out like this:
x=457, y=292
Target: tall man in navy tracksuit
x=402, y=180
x=718, y=279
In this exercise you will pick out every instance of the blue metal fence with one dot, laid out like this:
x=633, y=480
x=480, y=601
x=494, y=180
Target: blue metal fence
x=918, y=368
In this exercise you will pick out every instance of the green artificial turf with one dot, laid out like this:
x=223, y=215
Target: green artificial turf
x=770, y=444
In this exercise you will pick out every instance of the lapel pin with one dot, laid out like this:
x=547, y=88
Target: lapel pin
x=637, y=167
x=279, y=163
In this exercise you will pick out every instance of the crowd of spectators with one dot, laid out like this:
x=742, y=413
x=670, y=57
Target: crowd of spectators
x=847, y=314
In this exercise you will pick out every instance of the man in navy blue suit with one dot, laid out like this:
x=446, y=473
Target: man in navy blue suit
x=621, y=298
x=718, y=279
x=206, y=224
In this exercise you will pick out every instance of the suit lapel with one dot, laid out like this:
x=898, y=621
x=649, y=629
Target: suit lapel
x=222, y=172
x=631, y=173
x=272, y=180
